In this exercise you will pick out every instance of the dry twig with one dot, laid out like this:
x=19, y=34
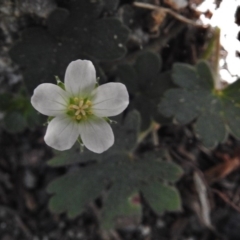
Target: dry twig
x=223, y=169
x=226, y=199
x=203, y=199
x=169, y=11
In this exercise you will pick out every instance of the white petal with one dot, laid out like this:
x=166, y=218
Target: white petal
x=49, y=99
x=96, y=134
x=80, y=77
x=110, y=99
x=61, y=133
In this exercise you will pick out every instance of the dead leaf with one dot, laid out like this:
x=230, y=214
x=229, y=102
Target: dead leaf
x=157, y=18
x=223, y=169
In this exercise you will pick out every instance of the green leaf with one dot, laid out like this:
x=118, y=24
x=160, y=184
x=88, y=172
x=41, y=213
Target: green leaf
x=145, y=106
x=14, y=122
x=232, y=91
x=189, y=77
x=73, y=156
x=35, y=53
x=147, y=66
x=126, y=135
x=129, y=77
x=161, y=197
x=159, y=86
x=146, y=84
x=111, y=5
x=119, y=204
x=233, y=114
x=205, y=74
x=74, y=33
x=5, y=101
x=125, y=177
x=107, y=45
x=216, y=112
x=211, y=127
x=75, y=190
x=19, y=113
x=56, y=19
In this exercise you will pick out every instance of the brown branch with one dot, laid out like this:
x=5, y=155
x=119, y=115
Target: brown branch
x=226, y=199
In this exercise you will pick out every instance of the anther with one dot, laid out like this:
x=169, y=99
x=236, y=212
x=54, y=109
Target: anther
x=71, y=107
x=83, y=112
x=74, y=107
x=81, y=108
x=77, y=112
x=85, y=106
x=81, y=103
x=88, y=103
x=76, y=100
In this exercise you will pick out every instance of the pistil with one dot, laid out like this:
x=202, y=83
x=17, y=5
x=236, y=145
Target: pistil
x=80, y=109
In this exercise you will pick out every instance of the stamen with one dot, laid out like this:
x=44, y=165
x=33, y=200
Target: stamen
x=77, y=112
x=81, y=109
x=76, y=100
x=89, y=103
x=85, y=106
x=74, y=107
x=70, y=107
x=81, y=103
x=83, y=112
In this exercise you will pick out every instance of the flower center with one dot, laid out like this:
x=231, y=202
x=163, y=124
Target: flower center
x=79, y=108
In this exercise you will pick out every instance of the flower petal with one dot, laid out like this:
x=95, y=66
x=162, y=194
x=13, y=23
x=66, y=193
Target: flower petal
x=110, y=99
x=80, y=77
x=96, y=134
x=49, y=99
x=61, y=133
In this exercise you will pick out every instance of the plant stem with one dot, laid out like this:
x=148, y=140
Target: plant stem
x=212, y=54
x=145, y=133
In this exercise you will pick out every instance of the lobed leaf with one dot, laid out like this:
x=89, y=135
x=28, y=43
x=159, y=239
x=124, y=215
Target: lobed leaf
x=111, y=5
x=146, y=84
x=125, y=177
x=161, y=197
x=73, y=33
x=10, y=120
x=120, y=204
x=75, y=190
x=216, y=112
x=18, y=109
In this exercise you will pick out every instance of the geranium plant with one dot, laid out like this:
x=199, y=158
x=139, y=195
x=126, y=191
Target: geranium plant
x=80, y=108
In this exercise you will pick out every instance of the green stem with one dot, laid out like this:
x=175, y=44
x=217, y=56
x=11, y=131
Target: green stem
x=145, y=133
x=212, y=54
x=152, y=129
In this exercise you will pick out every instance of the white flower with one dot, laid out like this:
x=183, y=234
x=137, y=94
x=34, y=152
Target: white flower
x=80, y=108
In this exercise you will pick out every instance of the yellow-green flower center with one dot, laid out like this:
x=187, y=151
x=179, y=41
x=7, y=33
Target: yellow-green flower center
x=79, y=108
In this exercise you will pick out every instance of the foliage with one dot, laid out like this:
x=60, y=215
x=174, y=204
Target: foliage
x=133, y=173
x=18, y=113
x=146, y=83
x=124, y=175
x=45, y=52
x=217, y=112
